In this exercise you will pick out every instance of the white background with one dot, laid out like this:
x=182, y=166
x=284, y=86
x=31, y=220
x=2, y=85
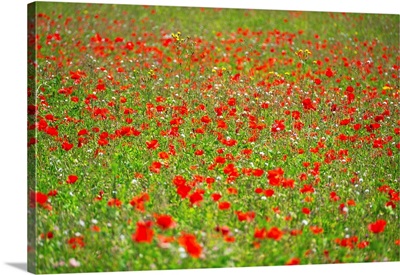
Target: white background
x=13, y=92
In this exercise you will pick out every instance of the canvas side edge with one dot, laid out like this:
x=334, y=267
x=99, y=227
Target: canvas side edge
x=32, y=137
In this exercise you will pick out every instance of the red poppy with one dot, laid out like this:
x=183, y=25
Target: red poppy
x=230, y=169
x=236, y=77
x=308, y=104
x=378, y=143
x=224, y=205
x=76, y=242
x=288, y=183
x=32, y=141
x=72, y=179
x=100, y=196
x=83, y=132
x=344, y=122
x=205, y=119
x=219, y=159
x=229, y=239
x=247, y=171
x=351, y=203
x=293, y=261
x=274, y=233
x=37, y=197
x=275, y=176
x=144, y=233
x=49, y=235
x=216, y=196
x=303, y=176
x=165, y=221
x=362, y=244
x=102, y=142
x=232, y=191
x=183, y=190
x=188, y=241
x=390, y=204
x=163, y=155
x=307, y=188
x=129, y=45
x=247, y=151
x=278, y=126
x=296, y=232
x=199, y=152
x=155, y=167
x=377, y=227
x=357, y=126
x=229, y=142
x=269, y=192
x=334, y=197
x=210, y=181
x=114, y=202
x=196, y=197
x=101, y=87
x=52, y=193
x=299, y=125
x=222, y=124
x=32, y=109
x=296, y=114
x=138, y=201
x=306, y=210
x=223, y=229
x=258, y=172
x=316, y=230
x=165, y=241
x=153, y=144
x=103, y=135
x=260, y=233
x=231, y=101
x=245, y=216
x=77, y=75
x=65, y=91
x=67, y=146
x=179, y=180
x=329, y=72
x=52, y=131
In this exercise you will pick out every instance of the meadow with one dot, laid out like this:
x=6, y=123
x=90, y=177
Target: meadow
x=180, y=138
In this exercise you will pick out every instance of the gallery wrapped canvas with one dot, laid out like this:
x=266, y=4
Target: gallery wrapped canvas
x=183, y=138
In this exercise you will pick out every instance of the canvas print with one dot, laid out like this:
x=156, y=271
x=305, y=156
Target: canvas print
x=165, y=137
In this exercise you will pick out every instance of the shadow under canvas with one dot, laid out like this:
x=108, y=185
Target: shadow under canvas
x=21, y=266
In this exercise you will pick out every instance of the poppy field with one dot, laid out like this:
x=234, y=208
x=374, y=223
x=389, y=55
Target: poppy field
x=181, y=138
